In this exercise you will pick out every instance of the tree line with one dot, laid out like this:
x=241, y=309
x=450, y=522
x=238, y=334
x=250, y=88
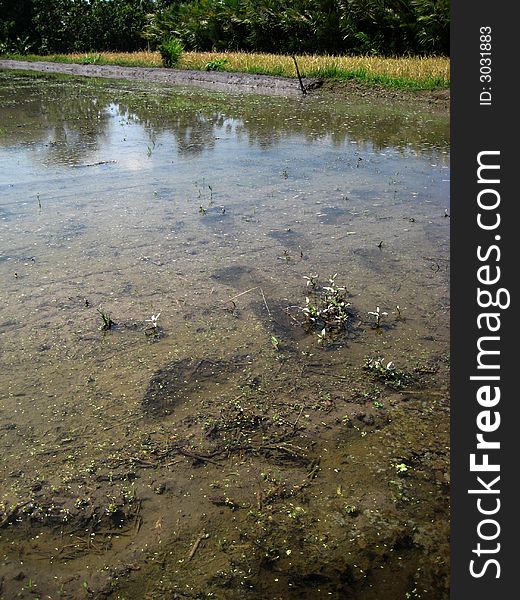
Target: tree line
x=383, y=27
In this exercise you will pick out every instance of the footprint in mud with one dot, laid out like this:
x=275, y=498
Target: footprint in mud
x=287, y=237
x=331, y=215
x=236, y=276
x=375, y=260
x=186, y=378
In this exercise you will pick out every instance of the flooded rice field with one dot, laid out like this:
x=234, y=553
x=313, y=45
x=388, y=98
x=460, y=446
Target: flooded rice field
x=224, y=343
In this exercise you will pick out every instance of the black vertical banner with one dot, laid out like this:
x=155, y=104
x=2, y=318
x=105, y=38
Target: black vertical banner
x=484, y=241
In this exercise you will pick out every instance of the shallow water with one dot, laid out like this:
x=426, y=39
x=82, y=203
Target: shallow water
x=140, y=199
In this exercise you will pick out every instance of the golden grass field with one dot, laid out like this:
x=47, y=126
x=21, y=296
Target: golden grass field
x=419, y=72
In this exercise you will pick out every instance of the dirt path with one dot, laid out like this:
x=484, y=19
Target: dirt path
x=223, y=81
x=214, y=79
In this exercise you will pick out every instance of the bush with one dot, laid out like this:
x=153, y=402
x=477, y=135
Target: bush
x=217, y=64
x=171, y=51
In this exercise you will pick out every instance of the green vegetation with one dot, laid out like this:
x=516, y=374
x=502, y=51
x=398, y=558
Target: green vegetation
x=171, y=51
x=217, y=64
x=354, y=27
x=326, y=307
x=413, y=73
x=107, y=322
x=396, y=43
x=387, y=373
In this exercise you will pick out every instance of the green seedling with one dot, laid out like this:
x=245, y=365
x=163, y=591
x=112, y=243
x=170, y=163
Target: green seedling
x=401, y=468
x=312, y=281
x=322, y=336
x=276, y=342
x=386, y=372
x=153, y=328
x=378, y=315
x=107, y=321
x=112, y=509
x=296, y=512
x=326, y=307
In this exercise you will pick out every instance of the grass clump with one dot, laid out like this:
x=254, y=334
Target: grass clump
x=92, y=59
x=171, y=51
x=216, y=64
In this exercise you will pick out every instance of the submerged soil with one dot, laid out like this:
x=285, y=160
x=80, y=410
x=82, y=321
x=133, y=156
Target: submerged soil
x=235, y=450
x=224, y=81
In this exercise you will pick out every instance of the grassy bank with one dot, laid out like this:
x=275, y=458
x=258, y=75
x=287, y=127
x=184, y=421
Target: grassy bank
x=403, y=73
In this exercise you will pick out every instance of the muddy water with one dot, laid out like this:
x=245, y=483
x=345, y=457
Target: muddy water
x=228, y=452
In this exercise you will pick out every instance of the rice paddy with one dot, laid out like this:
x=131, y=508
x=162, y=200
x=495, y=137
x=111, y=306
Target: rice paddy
x=404, y=73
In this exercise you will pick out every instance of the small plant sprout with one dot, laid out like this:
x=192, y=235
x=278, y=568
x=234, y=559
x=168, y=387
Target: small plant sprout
x=398, y=311
x=322, y=335
x=276, y=342
x=107, y=321
x=351, y=509
x=401, y=468
x=153, y=320
x=387, y=373
x=153, y=328
x=378, y=315
x=312, y=281
x=112, y=509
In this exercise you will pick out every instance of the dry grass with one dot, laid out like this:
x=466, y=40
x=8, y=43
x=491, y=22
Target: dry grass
x=413, y=68
x=409, y=72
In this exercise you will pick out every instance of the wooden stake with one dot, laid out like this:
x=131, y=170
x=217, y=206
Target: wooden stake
x=304, y=91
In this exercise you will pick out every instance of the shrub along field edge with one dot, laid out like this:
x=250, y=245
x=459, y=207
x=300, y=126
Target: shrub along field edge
x=412, y=73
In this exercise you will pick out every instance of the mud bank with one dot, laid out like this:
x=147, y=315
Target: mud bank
x=228, y=82
x=219, y=81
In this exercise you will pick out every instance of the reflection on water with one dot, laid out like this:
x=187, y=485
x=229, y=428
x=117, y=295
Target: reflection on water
x=74, y=123
x=210, y=209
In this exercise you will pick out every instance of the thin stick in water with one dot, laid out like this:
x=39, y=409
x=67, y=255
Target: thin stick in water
x=265, y=302
x=304, y=91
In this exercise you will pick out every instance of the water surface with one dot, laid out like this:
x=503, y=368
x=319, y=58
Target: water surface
x=210, y=209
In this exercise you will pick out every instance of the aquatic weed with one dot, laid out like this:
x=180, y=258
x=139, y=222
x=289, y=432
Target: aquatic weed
x=378, y=315
x=387, y=373
x=107, y=323
x=326, y=307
